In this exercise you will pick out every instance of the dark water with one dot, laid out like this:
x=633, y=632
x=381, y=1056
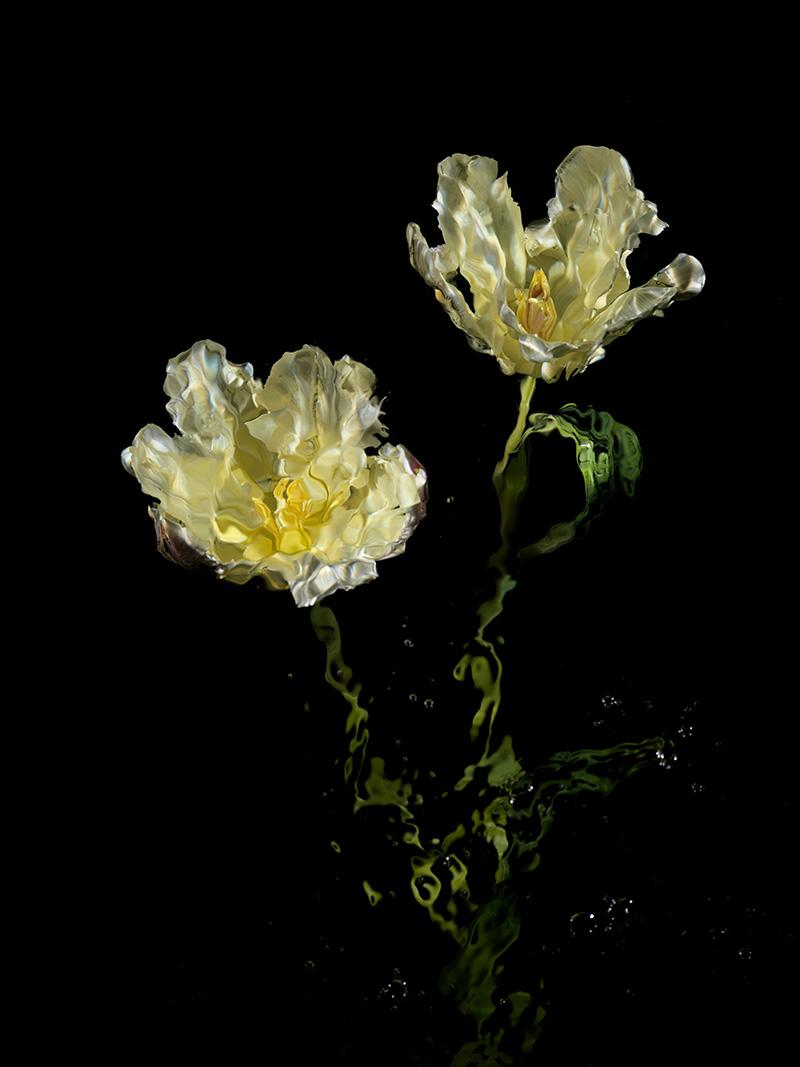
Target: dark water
x=661, y=917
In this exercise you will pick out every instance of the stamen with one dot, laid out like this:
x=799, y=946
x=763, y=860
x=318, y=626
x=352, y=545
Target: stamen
x=536, y=312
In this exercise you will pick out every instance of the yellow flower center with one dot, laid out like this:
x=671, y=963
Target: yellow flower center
x=536, y=312
x=291, y=525
x=294, y=511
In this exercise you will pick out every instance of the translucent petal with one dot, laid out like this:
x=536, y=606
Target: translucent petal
x=597, y=215
x=209, y=397
x=481, y=225
x=684, y=277
x=437, y=266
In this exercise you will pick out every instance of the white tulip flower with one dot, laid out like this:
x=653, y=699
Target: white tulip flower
x=273, y=480
x=548, y=297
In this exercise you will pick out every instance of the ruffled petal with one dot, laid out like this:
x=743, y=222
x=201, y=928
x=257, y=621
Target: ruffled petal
x=484, y=241
x=211, y=401
x=597, y=215
x=176, y=543
x=316, y=579
x=683, y=278
x=196, y=489
x=392, y=508
x=437, y=266
x=685, y=275
x=209, y=397
x=481, y=225
x=310, y=406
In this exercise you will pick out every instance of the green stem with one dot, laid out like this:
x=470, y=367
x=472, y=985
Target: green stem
x=339, y=676
x=485, y=666
x=527, y=386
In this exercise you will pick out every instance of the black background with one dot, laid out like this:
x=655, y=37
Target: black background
x=260, y=199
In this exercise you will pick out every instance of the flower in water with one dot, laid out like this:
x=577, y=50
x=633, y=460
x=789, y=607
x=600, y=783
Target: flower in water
x=273, y=480
x=546, y=298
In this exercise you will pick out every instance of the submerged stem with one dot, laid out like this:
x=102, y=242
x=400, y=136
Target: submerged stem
x=527, y=386
x=339, y=676
x=485, y=667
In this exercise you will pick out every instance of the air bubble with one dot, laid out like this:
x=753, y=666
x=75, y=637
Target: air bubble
x=666, y=760
x=413, y=697
x=395, y=991
x=428, y=702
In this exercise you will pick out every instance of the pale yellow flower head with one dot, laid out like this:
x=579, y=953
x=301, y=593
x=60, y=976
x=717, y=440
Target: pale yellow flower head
x=274, y=480
x=546, y=298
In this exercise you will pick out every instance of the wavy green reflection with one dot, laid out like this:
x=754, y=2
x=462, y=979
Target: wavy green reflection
x=515, y=809
x=608, y=455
